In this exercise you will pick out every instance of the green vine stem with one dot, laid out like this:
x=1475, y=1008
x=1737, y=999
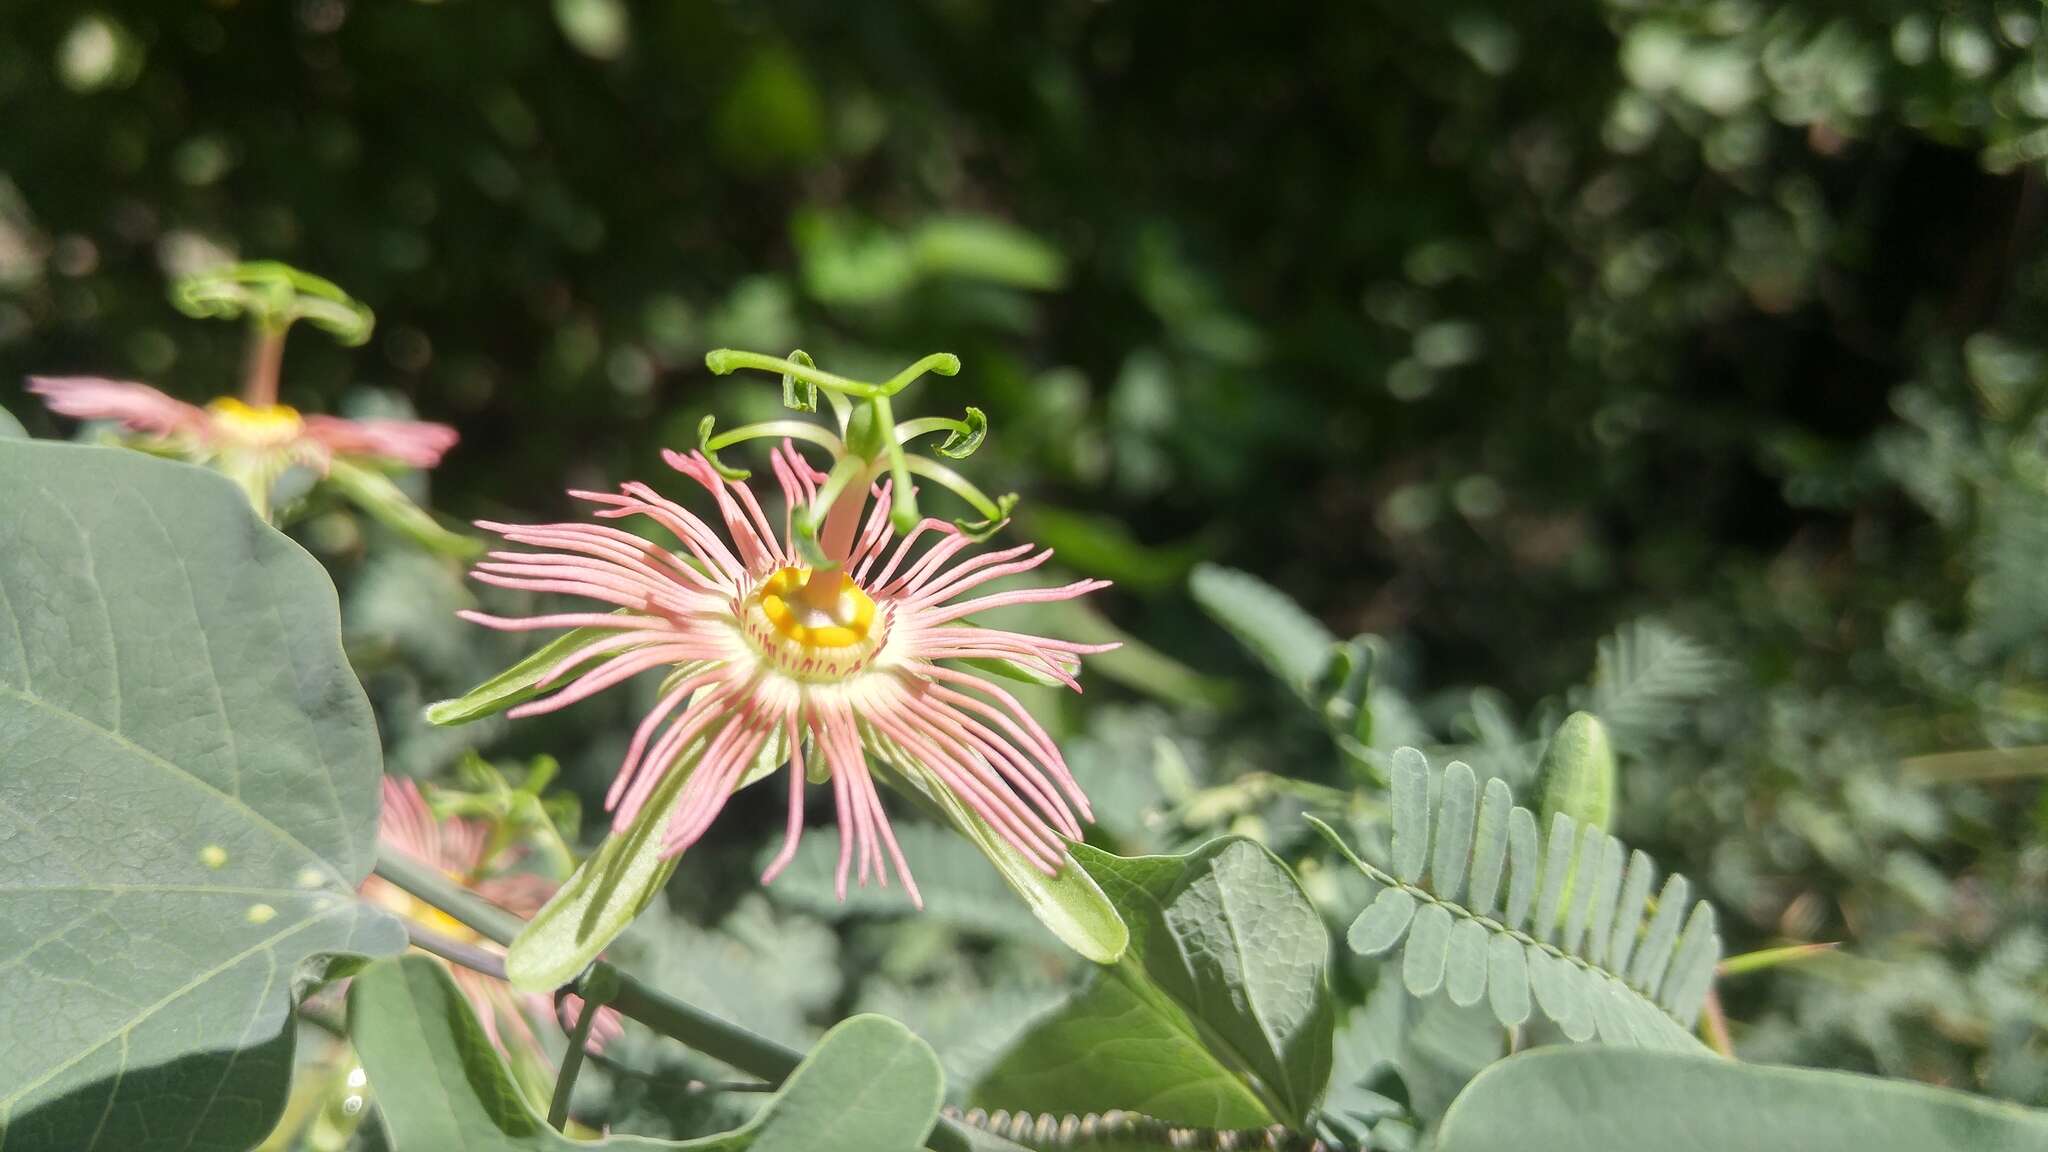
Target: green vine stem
x=755, y=1055
x=572, y=1060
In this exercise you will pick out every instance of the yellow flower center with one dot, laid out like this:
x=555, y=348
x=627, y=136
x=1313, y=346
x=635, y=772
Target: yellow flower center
x=270, y=426
x=813, y=629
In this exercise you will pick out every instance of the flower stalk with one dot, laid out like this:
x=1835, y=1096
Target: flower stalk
x=265, y=363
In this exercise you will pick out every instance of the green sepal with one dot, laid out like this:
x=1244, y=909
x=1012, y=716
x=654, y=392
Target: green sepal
x=1011, y=670
x=515, y=685
x=1071, y=904
x=376, y=494
x=618, y=881
x=600, y=901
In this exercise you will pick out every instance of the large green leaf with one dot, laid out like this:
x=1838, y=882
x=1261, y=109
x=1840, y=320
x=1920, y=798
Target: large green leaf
x=439, y=1084
x=1603, y=1099
x=188, y=799
x=1219, y=1014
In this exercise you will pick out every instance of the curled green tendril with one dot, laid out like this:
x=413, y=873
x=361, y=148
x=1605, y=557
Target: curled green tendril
x=962, y=436
x=995, y=511
x=710, y=445
x=873, y=439
x=275, y=296
x=704, y=448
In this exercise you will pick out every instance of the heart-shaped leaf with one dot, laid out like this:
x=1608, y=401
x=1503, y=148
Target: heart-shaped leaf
x=188, y=799
x=439, y=1083
x=1219, y=1014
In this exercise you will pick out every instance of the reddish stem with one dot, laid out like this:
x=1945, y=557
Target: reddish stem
x=266, y=356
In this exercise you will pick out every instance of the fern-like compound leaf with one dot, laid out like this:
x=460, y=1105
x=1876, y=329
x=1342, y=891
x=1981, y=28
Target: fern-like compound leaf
x=1599, y=958
x=1644, y=677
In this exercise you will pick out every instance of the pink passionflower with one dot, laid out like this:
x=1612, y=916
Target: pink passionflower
x=864, y=663
x=228, y=424
x=455, y=847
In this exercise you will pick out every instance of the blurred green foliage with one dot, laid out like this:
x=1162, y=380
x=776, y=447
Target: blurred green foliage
x=1482, y=330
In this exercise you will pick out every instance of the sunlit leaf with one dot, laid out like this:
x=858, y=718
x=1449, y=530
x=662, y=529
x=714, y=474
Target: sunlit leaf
x=188, y=800
x=1219, y=1015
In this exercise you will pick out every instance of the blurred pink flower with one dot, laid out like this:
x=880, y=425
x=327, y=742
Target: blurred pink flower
x=455, y=847
x=864, y=661
x=229, y=424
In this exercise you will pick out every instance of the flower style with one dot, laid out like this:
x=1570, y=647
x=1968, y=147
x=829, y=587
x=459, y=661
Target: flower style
x=765, y=650
x=229, y=426
x=456, y=847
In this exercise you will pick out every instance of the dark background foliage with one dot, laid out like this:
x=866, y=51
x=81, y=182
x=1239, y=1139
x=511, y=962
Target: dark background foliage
x=1483, y=328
